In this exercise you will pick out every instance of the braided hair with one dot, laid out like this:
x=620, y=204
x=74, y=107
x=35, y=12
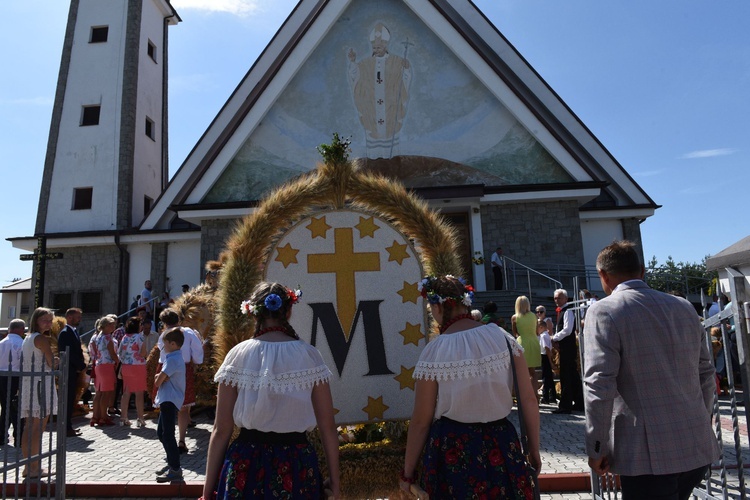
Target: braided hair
x=449, y=291
x=272, y=301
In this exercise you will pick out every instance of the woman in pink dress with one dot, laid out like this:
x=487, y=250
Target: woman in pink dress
x=132, y=354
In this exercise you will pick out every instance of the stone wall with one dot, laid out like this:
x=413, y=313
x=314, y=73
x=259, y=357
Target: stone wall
x=214, y=235
x=538, y=235
x=85, y=269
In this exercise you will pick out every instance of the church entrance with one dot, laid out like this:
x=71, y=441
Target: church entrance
x=461, y=222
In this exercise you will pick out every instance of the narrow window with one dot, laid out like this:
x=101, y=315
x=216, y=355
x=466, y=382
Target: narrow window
x=151, y=51
x=150, y=132
x=61, y=302
x=82, y=198
x=90, y=115
x=99, y=34
x=91, y=302
x=147, y=202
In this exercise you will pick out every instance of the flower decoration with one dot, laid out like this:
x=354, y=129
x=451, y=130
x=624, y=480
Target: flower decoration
x=272, y=302
x=426, y=288
x=478, y=258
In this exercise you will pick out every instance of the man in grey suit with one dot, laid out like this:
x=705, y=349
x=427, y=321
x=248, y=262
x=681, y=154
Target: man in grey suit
x=648, y=384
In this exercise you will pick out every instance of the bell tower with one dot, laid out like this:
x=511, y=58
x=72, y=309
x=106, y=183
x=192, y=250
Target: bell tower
x=106, y=159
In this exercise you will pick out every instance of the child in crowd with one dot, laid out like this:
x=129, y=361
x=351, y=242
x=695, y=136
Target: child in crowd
x=102, y=349
x=549, y=395
x=170, y=384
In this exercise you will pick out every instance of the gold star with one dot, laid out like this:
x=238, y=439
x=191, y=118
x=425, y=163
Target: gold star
x=405, y=378
x=318, y=227
x=411, y=334
x=409, y=293
x=375, y=408
x=397, y=252
x=287, y=255
x=367, y=227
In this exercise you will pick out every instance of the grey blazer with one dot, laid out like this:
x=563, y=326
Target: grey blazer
x=648, y=383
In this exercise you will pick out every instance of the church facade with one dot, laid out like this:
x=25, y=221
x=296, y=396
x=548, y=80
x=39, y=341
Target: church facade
x=428, y=91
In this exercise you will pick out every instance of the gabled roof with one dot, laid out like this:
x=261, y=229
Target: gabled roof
x=18, y=286
x=473, y=39
x=737, y=254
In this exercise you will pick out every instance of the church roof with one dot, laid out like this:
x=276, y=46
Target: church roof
x=736, y=254
x=474, y=41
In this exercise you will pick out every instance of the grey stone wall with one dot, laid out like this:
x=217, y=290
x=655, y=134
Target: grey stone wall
x=214, y=234
x=159, y=269
x=536, y=234
x=85, y=269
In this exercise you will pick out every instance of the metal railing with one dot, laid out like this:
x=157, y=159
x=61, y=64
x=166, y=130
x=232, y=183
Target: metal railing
x=85, y=337
x=44, y=386
x=528, y=272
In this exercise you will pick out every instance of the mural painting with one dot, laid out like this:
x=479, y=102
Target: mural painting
x=410, y=104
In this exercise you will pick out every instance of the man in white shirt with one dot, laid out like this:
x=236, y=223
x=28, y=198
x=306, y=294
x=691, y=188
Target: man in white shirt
x=571, y=389
x=10, y=360
x=145, y=300
x=497, y=267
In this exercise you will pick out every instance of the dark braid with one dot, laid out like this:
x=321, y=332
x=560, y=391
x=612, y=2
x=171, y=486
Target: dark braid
x=446, y=286
x=263, y=290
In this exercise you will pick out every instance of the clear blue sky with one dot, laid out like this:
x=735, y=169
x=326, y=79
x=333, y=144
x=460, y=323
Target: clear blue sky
x=663, y=84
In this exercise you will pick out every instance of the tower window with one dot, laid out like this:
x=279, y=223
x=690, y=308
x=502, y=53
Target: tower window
x=151, y=50
x=147, y=202
x=82, y=198
x=150, y=128
x=90, y=115
x=99, y=34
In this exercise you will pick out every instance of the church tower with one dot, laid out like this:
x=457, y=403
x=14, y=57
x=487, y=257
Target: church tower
x=106, y=158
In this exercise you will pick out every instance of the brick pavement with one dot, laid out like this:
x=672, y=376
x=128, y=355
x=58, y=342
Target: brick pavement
x=110, y=456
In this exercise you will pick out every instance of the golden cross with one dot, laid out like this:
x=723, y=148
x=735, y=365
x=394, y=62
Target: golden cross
x=344, y=263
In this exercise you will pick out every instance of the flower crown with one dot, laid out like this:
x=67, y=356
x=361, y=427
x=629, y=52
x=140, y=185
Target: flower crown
x=272, y=302
x=426, y=288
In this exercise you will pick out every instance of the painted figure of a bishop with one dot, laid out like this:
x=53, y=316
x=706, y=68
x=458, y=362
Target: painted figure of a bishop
x=380, y=85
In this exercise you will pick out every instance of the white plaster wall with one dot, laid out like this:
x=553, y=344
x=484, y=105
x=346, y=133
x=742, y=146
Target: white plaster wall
x=147, y=153
x=183, y=265
x=597, y=234
x=86, y=156
x=140, y=268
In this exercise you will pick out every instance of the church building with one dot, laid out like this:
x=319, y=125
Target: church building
x=428, y=91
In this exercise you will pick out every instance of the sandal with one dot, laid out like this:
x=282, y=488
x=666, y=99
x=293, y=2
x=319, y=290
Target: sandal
x=93, y=422
x=125, y=422
x=182, y=447
x=141, y=422
x=106, y=421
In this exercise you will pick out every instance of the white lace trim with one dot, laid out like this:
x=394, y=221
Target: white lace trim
x=281, y=382
x=464, y=368
x=473, y=342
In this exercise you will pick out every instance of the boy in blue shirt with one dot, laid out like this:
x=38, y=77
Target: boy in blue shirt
x=170, y=395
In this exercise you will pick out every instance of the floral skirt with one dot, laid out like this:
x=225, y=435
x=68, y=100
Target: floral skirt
x=270, y=470
x=475, y=461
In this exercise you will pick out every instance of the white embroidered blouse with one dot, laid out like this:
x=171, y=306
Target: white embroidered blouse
x=274, y=382
x=472, y=369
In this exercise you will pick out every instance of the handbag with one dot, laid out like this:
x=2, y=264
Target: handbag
x=522, y=425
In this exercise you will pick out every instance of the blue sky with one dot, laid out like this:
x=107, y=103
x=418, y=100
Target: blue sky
x=663, y=85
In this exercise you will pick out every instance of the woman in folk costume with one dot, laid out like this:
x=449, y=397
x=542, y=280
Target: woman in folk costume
x=275, y=388
x=463, y=394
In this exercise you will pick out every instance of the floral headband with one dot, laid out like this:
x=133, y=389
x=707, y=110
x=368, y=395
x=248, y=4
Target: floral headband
x=426, y=288
x=272, y=302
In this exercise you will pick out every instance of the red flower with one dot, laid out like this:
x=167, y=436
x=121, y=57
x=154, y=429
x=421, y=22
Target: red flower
x=496, y=457
x=287, y=482
x=240, y=481
x=451, y=456
x=260, y=475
